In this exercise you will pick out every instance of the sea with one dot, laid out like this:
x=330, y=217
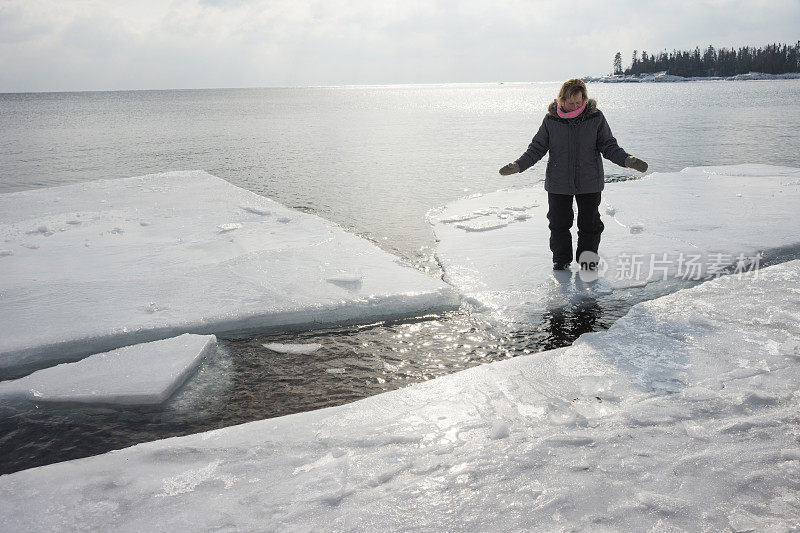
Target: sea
x=375, y=160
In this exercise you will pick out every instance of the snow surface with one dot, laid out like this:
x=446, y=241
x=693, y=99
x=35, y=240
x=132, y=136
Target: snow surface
x=143, y=374
x=90, y=267
x=684, y=415
x=666, y=227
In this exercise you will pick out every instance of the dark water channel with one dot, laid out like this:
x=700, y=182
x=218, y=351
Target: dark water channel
x=245, y=381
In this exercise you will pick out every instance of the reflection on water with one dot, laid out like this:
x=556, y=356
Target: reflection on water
x=562, y=326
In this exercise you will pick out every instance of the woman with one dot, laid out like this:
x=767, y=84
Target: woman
x=575, y=133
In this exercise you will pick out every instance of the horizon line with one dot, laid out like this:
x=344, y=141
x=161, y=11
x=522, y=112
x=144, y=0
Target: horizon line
x=326, y=86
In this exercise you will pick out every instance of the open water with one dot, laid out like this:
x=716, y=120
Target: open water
x=375, y=160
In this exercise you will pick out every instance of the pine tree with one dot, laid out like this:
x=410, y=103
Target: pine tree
x=775, y=58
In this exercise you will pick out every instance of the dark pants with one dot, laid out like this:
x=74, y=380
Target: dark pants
x=560, y=215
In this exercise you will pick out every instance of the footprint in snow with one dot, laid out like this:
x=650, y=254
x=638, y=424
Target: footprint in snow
x=636, y=228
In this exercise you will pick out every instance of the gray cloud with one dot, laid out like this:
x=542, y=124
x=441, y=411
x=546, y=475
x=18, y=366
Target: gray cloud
x=112, y=44
x=14, y=28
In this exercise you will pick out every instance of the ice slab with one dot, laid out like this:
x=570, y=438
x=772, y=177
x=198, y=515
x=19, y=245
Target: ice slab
x=143, y=374
x=99, y=265
x=670, y=227
x=683, y=415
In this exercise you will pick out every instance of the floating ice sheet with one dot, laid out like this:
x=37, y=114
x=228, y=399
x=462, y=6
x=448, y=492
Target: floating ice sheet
x=298, y=349
x=684, y=415
x=665, y=227
x=90, y=267
x=142, y=374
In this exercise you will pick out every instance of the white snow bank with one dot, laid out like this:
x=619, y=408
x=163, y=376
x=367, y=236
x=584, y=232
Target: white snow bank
x=684, y=415
x=111, y=263
x=143, y=374
x=678, y=226
x=764, y=76
x=664, y=77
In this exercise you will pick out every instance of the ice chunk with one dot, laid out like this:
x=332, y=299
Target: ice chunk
x=229, y=227
x=440, y=455
x=483, y=225
x=481, y=220
x=459, y=218
x=302, y=349
x=66, y=299
x=142, y=374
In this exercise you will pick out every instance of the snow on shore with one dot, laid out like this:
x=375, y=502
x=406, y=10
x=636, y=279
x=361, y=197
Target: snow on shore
x=90, y=267
x=684, y=415
x=670, y=78
x=667, y=227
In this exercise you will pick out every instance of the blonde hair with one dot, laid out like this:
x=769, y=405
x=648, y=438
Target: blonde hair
x=572, y=88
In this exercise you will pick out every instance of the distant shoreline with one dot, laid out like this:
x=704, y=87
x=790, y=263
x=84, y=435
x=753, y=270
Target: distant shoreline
x=664, y=77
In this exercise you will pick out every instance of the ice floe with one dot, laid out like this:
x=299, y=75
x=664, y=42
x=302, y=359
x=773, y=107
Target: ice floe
x=90, y=267
x=143, y=374
x=300, y=349
x=668, y=227
x=684, y=415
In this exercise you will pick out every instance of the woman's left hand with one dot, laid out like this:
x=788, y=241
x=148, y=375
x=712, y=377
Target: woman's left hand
x=511, y=168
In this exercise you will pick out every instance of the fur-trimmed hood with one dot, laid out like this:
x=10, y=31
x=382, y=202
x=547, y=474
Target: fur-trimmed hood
x=591, y=107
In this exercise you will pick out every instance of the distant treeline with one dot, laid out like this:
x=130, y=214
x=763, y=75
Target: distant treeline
x=771, y=59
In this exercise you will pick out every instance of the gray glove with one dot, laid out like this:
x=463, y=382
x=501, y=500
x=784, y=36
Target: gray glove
x=635, y=163
x=511, y=168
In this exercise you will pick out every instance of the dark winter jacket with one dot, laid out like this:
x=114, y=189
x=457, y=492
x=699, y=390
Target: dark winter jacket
x=575, y=145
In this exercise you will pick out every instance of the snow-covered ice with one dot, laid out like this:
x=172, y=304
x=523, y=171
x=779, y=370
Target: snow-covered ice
x=665, y=227
x=684, y=415
x=94, y=266
x=143, y=374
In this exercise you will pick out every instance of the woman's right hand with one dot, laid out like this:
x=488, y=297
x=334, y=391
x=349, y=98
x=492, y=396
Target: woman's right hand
x=635, y=163
x=511, y=168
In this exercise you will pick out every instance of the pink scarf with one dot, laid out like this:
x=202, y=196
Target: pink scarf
x=571, y=114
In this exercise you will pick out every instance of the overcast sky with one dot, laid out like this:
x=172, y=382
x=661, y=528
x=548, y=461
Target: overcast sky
x=48, y=45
